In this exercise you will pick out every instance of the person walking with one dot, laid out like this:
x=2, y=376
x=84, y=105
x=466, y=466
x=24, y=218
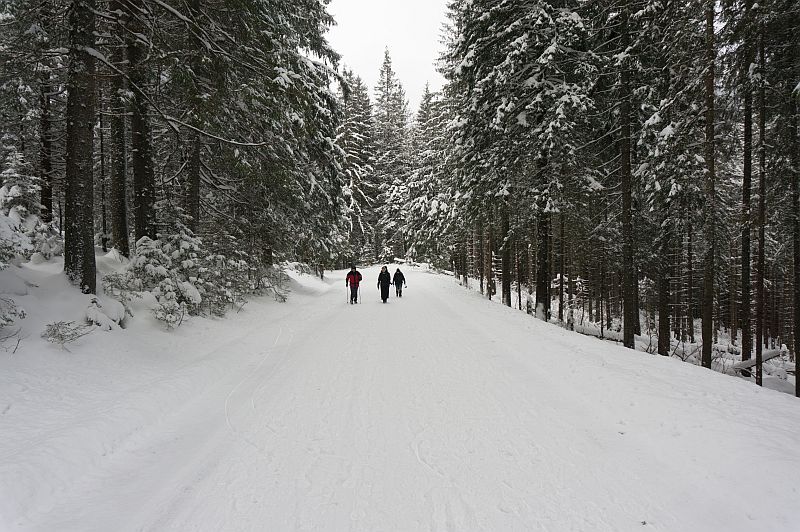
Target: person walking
x=384, y=280
x=352, y=280
x=399, y=280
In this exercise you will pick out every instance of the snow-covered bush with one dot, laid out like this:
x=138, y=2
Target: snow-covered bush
x=23, y=235
x=64, y=332
x=107, y=316
x=9, y=312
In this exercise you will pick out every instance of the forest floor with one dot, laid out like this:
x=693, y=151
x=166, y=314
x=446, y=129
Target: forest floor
x=436, y=411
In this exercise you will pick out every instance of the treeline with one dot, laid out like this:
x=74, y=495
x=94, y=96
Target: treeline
x=197, y=137
x=628, y=159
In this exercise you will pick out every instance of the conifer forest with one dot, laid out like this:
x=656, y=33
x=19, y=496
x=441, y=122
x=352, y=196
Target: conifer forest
x=626, y=169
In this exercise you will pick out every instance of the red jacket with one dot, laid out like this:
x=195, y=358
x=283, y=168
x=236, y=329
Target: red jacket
x=353, y=278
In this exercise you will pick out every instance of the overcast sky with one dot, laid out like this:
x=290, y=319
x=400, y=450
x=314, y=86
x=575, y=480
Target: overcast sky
x=410, y=28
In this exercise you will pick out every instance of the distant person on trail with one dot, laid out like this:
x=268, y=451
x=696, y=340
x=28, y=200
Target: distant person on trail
x=352, y=280
x=399, y=280
x=384, y=280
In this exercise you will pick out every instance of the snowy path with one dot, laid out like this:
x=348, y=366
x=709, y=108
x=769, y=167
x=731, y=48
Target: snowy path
x=437, y=411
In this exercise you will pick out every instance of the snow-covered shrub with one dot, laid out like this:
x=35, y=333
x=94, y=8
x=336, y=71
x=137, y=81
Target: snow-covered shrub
x=9, y=312
x=106, y=316
x=169, y=309
x=64, y=332
x=22, y=233
x=122, y=287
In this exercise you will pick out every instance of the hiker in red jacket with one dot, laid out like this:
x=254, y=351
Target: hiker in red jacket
x=352, y=280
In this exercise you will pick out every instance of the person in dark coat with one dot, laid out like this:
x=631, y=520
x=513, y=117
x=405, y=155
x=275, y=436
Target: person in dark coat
x=352, y=280
x=399, y=280
x=384, y=280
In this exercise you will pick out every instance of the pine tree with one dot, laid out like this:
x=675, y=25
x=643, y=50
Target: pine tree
x=392, y=162
x=355, y=137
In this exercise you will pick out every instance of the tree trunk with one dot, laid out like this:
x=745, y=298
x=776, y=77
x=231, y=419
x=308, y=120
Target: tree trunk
x=506, y=256
x=79, y=261
x=664, y=335
x=561, y=270
x=710, y=192
x=102, y=180
x=629, y=288
x=762, y=189
x=46, y=149
x=794, y=153
x=119, y=156
x=489, y=261
x=141, y=158
x=543, y=268
x=480, y=231
x=747, y=169
x=690, y=291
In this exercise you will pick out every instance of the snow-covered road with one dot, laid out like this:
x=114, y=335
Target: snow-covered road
x=437, y=411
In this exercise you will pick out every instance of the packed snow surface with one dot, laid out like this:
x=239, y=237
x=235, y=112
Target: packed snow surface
x=437, y=411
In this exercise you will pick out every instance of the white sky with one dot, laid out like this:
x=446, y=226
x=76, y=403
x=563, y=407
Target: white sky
x=410, y=28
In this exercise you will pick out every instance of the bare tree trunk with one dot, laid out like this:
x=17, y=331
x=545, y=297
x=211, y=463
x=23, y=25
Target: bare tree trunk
x=480, y=232
x=734, y=318
x=794, y=150
x=79, y=260
x=119, y=156
x=747, y=168
x=710, y=192
x=141, y=158
x=489, y=262
x=543, y=268
x=46, y=148
x=664, y=335
x=102, y=180
x=690, y=299
x=629, y=285
x=506, y=257
x=561, y=270
x=762, y=189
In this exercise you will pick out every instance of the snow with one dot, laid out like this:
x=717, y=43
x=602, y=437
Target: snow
x=437, y=411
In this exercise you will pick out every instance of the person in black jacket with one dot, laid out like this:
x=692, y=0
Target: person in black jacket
x=384, y=280
x=399, y=280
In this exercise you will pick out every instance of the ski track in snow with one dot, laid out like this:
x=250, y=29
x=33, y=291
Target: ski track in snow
x=438, y=411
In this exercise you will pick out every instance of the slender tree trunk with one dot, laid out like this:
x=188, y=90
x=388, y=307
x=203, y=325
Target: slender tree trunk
x=747, y=168
x=518, y=266
x=46, y=151
x=141, y=157
x=664, y=335
x=690, y=295
x=506, y=256
x=543, y=268
x=119, y=156
x=79, y=261
x=734, y=318
x=489, y=261
x=561, y=270
x=794, y=151
x=103, y=213
x=629, y=288
x=710, y=191
x=571, y=273
x=480, y=230
x=762, y=189
x=45, y=128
